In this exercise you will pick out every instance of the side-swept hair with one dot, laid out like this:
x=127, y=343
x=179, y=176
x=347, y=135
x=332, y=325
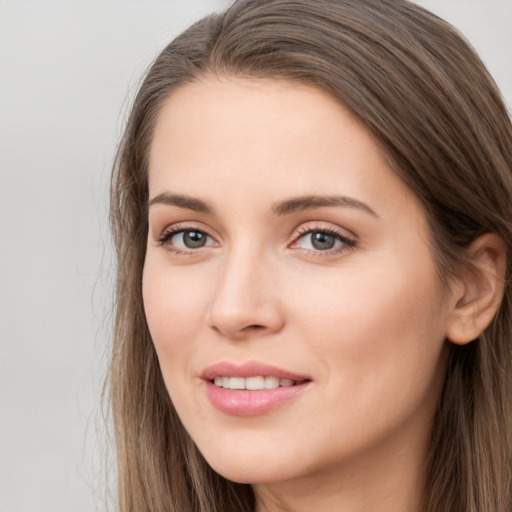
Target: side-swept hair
x=431, y=105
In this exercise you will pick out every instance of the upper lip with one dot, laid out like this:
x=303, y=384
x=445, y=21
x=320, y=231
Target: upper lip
x=249, y=369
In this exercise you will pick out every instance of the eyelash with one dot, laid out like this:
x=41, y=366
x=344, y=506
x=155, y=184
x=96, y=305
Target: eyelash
x=346, y=243
x=175, y=230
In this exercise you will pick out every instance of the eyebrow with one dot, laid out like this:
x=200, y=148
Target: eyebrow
x=190, y=203
x=309, y=202
x=282, y=208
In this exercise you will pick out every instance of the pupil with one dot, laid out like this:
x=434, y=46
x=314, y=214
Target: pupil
x=322, y=241
x=194, y=239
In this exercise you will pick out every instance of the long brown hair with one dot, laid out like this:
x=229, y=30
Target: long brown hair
x=430, y=103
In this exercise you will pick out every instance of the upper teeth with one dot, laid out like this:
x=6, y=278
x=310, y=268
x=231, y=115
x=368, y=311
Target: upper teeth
x=252, y=383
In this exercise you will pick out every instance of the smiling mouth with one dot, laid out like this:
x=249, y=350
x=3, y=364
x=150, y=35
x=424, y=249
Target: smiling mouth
x=256, y=383
x=251, y=388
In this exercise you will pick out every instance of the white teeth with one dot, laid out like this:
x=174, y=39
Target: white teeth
x=252, y=383
x=236, y=383
x=271, y=382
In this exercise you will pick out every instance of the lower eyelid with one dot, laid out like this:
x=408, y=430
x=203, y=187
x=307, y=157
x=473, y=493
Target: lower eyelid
x=327, y=252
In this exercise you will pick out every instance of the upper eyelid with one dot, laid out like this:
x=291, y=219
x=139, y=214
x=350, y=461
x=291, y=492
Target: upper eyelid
x=349, y=241
x=308, y=227
x=179, y=227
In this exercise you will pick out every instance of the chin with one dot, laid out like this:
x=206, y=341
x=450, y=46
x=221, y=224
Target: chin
x=249, y=467
x=251, y=472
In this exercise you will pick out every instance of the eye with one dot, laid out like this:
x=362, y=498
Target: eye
x=183, y=239
x=319, y=240
x=189, y=239
x=322, y=240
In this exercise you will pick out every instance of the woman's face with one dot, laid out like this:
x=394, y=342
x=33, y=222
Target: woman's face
x=283, y=250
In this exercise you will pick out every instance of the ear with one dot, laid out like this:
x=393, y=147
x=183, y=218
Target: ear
x=477, y=296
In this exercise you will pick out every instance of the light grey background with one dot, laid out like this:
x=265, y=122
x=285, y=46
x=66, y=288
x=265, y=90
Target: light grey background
x=68, y=69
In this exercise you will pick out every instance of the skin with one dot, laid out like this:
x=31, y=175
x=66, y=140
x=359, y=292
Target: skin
x=366, y=322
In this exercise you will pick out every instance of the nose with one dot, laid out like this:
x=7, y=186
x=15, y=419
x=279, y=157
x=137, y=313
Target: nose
x=246, y=301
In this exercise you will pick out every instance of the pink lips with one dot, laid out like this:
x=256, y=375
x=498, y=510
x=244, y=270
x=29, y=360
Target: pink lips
x=241, y=402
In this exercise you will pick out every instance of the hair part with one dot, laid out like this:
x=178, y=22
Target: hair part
x=431, y=105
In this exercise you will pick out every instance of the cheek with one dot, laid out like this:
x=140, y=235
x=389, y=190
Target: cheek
x=357, y=300
x=373, y=328
x=175, y=308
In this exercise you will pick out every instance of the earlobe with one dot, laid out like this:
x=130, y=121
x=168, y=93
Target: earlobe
x=479, y=292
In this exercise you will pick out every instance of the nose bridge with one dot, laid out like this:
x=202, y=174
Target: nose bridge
x=245, y=300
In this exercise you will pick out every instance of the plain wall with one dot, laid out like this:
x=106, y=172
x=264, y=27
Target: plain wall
x=67, y=71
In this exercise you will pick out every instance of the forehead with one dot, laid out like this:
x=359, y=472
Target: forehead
x=242, y=111
x=265, y=137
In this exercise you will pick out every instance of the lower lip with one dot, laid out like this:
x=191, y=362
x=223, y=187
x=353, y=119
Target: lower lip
x=241, y=402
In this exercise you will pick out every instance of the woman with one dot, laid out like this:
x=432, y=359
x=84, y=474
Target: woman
x=311, y=208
